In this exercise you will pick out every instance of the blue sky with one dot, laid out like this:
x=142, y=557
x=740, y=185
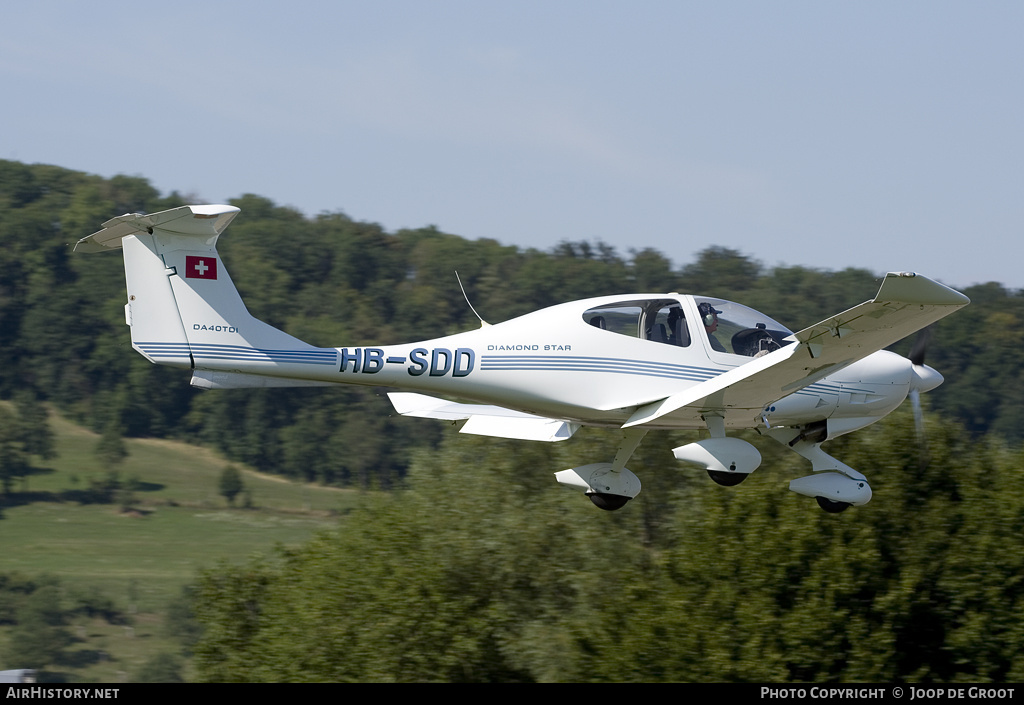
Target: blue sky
x=873, y=134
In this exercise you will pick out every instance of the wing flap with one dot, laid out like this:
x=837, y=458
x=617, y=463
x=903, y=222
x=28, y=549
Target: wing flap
x=905, y=303
x=484, y=419
x=535, y=429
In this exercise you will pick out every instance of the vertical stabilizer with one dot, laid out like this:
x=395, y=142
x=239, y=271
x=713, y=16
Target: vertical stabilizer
x=183, y=308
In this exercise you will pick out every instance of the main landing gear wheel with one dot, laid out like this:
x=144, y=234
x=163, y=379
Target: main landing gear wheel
x=727, y=479
x=608, y=502
x=832, y=507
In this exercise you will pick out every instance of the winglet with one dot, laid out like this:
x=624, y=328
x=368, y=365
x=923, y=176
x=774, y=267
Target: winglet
x=912, y=288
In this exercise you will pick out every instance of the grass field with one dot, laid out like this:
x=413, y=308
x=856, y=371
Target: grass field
x=141, y=559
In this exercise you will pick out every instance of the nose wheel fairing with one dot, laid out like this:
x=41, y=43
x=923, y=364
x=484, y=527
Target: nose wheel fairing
x=833, y=482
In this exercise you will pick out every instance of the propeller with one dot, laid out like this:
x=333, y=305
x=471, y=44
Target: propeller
x=923, y=379
x=917, y=354
x=920, y=346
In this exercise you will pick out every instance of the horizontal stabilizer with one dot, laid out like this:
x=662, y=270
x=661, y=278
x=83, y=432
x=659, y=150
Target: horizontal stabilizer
x=484, y=419
x=204, y=222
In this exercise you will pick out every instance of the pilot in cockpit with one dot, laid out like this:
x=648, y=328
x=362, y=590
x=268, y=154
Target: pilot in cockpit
x=709, y=317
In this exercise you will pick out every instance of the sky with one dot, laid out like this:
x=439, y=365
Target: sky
x=882, y=135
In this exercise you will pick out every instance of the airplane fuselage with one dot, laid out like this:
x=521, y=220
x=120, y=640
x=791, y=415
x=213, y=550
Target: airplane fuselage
x=573, y=370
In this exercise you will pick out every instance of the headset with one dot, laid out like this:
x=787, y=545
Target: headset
x=708, y=314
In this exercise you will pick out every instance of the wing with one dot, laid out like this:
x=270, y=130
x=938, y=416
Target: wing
x=483, y=419
x=905, y=303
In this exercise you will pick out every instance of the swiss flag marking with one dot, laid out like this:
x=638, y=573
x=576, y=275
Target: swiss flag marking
x=200, y=267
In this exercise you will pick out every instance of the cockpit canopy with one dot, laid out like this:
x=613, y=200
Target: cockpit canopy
x=727, y=327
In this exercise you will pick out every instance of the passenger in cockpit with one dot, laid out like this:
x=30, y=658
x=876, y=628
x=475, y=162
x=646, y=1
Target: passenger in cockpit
x=678, y=334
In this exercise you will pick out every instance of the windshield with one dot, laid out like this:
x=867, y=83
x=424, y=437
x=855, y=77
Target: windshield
x=740, y=330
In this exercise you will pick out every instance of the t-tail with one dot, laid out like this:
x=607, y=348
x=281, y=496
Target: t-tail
x=185, y=311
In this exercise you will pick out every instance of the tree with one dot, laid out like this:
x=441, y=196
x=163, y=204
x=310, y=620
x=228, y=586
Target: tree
x=720, y=271
x=13, y=460
x=110, y=448
x=40, y=636
x=161, y=668
x=231, y=484
x=23, y=433
x=33, y=426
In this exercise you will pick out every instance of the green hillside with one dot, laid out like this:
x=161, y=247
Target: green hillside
x=139, y=558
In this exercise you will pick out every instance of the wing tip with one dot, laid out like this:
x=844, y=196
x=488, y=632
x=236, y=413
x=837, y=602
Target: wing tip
x=914, y=288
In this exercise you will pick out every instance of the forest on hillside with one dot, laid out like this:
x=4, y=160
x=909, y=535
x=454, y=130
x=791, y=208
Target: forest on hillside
x=471, y=569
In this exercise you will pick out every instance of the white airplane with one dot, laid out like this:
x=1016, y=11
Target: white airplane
x=633, y=362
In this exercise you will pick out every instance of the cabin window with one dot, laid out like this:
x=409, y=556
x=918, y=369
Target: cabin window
x=667, y=324
x=623, y=318
x=738, y=330
x=660, y=320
